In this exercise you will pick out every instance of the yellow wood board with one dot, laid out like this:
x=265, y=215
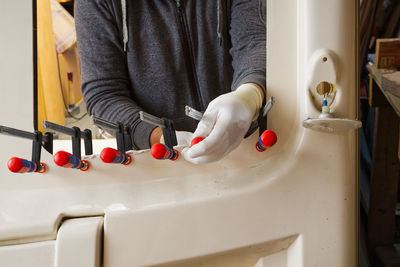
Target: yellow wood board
x=50, y=101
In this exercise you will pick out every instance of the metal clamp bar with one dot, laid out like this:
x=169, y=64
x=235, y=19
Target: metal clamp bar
x=58, y=128
x=268, y=106
x=192, y=113
x=152, y=119
x=18, y=133
x=104, y=123
x=46, y=140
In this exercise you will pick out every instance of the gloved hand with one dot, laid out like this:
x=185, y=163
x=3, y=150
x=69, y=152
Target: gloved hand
x=182, y=137
x=224, y=124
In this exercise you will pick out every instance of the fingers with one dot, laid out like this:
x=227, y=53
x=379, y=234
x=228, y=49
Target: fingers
x=216, y=142
x=206, y=124
x=215, y=146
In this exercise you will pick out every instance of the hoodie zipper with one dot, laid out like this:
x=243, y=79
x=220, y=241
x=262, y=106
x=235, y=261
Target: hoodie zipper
x=189, y=56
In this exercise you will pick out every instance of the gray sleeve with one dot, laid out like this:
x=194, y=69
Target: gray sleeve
x=105, y=79
x=248, y=36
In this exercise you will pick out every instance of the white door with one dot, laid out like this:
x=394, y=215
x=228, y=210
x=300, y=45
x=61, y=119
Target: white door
x=293, y=205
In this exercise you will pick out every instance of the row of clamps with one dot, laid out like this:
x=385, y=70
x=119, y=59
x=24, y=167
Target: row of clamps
x=64, y=159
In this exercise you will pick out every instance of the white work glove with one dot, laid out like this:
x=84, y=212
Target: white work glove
x=183, y=138
x=224, y=124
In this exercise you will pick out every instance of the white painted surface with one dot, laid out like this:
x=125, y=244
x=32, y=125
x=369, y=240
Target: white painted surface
x=159, y=212
x=275, y=260
x=40, y=254
x=79, y=243
x=16, y=78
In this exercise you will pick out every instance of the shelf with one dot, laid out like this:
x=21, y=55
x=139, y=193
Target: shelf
x=389, y=84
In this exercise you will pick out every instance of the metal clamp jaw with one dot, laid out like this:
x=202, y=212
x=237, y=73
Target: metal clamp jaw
x=122, y=133
x=123, y=138
x=166, y=125
x=76, y=135
x=261, y=122
x=74, y=161
x=163, y=151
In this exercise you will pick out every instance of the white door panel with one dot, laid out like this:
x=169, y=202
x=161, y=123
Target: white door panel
x=79, y=243
x=30, y=254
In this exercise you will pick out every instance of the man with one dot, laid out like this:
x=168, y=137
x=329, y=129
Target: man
x=160, y=55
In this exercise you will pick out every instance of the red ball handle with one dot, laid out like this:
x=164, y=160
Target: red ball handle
x=196, y=140
x=161, y=151
x=267, y=139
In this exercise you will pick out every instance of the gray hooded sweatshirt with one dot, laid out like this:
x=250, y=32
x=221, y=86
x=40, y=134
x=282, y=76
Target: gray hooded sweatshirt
x=160, y=55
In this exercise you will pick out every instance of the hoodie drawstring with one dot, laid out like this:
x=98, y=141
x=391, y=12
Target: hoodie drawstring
x=124, y=24
x=220, y=26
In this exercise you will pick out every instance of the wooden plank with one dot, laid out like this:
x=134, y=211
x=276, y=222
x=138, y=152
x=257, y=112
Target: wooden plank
x=391, y=82
x=384, y=180
x=387, y=55
x=387, y=80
